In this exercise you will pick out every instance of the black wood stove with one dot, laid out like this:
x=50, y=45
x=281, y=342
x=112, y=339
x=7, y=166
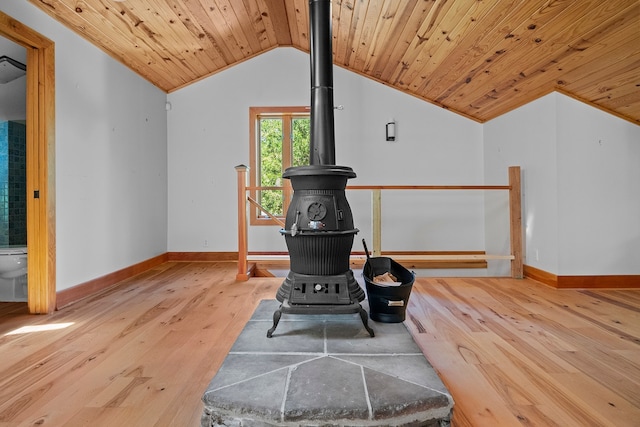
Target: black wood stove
x=319, y=228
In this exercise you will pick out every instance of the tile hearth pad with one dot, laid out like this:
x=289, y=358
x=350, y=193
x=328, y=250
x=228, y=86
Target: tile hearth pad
x=324, y=370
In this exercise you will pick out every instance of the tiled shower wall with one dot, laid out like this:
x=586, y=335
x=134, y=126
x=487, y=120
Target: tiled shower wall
x=13, y=184
x=4, y=183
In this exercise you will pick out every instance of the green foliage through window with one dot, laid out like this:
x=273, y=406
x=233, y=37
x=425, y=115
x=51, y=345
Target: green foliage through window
x=301, y=140
x=272, y=162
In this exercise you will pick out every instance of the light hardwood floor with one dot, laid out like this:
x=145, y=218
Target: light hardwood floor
x=511, y=352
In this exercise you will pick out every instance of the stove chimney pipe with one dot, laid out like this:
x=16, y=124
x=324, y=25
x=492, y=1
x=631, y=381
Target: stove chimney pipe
x=323, y=149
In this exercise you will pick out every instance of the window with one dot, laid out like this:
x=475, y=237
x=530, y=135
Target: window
x=279, y=138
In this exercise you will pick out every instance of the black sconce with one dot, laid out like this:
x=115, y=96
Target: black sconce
x=391, y=130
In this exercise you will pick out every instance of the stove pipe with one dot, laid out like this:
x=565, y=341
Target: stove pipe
x=322, y=150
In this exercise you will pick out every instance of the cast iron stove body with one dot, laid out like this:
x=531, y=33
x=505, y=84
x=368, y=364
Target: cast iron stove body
x=319, y=228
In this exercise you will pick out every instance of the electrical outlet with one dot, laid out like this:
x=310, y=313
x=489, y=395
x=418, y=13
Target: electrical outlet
x=537, y=255
x=205, y=243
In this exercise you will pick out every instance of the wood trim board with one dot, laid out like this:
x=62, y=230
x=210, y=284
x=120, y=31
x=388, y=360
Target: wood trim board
x=68, y=296
x=630, y=281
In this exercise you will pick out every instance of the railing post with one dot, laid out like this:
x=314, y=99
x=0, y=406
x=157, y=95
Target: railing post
x=242, y=223
x=376, y=221
x=515, y=220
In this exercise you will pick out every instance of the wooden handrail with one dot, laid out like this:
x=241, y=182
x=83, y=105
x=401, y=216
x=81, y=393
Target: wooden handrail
x=402, y=187
x=254, y=188
x=515, y=217
x=428, y=187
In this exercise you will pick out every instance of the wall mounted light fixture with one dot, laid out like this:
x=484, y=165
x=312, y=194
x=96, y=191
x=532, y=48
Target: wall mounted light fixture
x=391, y=130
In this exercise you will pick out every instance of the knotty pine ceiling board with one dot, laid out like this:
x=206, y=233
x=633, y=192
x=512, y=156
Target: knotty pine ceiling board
x=478, y=58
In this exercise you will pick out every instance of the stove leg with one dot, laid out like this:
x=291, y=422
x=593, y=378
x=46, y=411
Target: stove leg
x=365, y=321
x=276, y=319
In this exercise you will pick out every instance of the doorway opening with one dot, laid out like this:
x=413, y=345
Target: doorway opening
x=40, y=185
x=13, y=175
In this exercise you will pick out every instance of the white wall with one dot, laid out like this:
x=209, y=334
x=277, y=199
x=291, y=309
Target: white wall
x=598, y=191
x=208, y=129
x=111, y=156
x=433, y=147
x=581, y=183
x=13, y=96
x=524, y=137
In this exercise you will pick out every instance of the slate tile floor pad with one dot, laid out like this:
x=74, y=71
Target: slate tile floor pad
x=324, y=370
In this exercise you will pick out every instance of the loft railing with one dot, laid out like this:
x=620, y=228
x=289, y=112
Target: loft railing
x=245, y=271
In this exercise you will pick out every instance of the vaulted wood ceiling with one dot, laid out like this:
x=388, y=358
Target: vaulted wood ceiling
x=479, y=58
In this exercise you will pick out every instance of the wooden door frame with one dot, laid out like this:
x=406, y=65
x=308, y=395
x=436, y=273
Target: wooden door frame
x=41, y=258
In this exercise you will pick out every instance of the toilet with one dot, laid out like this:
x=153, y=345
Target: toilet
x=13, y=273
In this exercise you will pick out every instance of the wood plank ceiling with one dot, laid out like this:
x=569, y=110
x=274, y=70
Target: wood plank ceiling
x=479, y=58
